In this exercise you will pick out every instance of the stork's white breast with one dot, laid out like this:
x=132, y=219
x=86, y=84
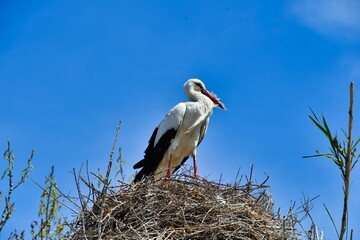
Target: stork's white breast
x=187, y=137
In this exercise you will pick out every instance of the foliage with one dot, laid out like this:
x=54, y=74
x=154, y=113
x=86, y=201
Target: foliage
x=8, y=175
x=338, y=149
x=50, y=225
x=344, y=155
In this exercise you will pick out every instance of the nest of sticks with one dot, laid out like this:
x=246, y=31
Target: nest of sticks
x=183, y=208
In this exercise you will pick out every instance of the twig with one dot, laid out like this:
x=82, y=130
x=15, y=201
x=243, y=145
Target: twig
x=106, y=182
x=237, y=175
x=55, y=198
x=81, y=199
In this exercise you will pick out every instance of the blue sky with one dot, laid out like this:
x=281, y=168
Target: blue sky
x=70, y=70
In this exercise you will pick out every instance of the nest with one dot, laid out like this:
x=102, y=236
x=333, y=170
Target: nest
x=183, y=208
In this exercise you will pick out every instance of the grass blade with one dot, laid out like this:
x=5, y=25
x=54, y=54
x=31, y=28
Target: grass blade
x=332, y=220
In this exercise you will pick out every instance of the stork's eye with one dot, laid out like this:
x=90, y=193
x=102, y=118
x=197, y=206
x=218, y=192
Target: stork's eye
x=199, y=85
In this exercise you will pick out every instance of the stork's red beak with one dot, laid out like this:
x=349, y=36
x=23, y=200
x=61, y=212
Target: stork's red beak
x=213, y=98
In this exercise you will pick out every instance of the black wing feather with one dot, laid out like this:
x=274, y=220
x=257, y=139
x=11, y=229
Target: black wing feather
x=154, y=154
x=141, y=163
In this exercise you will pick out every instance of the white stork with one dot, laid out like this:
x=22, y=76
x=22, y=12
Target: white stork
x=179, y=133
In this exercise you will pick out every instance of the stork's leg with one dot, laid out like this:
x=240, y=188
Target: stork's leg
x=168, y=170
x=196, y=174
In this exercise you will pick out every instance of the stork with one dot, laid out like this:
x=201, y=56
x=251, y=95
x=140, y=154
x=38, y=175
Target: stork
x=179, y=133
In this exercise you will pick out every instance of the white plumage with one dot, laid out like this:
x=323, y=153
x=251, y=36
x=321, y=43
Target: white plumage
x=179, y=133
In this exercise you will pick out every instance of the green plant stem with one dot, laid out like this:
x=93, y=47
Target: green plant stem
x=347, y=166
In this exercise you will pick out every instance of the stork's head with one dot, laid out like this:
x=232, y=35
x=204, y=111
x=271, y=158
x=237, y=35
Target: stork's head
x=197, y=86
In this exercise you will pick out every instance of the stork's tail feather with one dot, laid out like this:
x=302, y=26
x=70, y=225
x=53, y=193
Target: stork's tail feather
x=139, y=176
x=140, y=164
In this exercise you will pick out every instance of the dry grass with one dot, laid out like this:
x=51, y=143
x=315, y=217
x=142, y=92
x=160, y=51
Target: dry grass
x=184, y=208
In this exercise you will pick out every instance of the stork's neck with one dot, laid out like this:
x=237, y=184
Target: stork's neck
x=203, y=100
